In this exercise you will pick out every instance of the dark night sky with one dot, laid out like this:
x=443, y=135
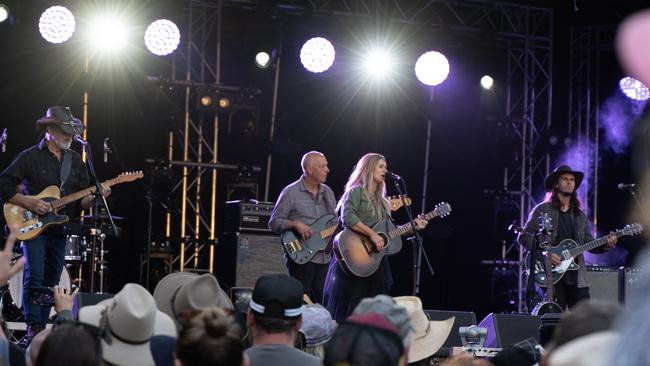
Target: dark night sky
x=333, y=112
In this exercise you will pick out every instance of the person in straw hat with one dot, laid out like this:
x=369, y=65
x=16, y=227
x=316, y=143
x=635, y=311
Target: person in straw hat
x=48, y=163
x=428, y=335
x=569, y=222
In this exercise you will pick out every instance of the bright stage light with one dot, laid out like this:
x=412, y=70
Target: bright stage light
x=162, y=37
x=262, y=60
x=634, y=89
x=378, y=63
x=317, y=54
x=56, y=24
x=432, y=68
x=108, y=34
x=487, y=82
x=4, y=12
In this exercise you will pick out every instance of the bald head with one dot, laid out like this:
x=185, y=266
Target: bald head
x=314, y=166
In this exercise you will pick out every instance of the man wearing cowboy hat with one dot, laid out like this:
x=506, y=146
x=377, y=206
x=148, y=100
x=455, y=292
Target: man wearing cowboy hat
x=50, y=162
x=570, y=222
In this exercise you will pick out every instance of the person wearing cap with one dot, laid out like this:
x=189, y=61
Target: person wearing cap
x=300, y=204
x=51, y=162
x=274, y=318
x=317, y=328
x=570, y=222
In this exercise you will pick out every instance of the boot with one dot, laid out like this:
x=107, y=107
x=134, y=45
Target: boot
x=32, y=330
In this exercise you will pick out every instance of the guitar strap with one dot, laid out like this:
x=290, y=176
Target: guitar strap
x=66, y=165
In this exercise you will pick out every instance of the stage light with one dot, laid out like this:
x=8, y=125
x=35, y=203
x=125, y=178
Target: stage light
x=432, y=68
x=213, y=101
x=378, y=63
x=108, y=34
x=487, y=82
x=262, y=59
x=56, y=24
x=4, y=12
x=206, y=101
x=224, y=103
x=634, y=89
x=317, y=54
x=162, y=37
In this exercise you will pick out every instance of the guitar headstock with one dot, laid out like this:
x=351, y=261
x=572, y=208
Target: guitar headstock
x=130, y=176
x=396, y=203
x=632, y=229
x=442, y=209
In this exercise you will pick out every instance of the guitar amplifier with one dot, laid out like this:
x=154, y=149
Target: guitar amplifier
x=251, y=216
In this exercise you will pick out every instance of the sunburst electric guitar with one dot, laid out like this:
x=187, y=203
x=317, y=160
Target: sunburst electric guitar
x=29, y=225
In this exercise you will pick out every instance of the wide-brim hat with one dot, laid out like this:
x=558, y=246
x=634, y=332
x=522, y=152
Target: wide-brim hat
x=552, y=178
x=126, y=323
x=62, y=117
x=179, y=292
x=429, y=335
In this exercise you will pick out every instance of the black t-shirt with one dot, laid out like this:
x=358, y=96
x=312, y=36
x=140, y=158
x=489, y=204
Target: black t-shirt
x=566, y=230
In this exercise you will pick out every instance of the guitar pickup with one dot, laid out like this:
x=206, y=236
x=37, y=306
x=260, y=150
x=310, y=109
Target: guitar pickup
x=28, y=215
x=293, y=246
x=29, y=228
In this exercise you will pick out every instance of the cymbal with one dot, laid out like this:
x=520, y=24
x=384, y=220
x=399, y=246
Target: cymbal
x=103, y=217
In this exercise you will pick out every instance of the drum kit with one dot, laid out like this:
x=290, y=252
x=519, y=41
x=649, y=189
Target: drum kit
x=84, y=263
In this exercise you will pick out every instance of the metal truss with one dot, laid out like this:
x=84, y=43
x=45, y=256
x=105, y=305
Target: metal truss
x=587, y=44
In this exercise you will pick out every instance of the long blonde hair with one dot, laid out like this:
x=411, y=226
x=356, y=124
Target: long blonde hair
x=362, y=176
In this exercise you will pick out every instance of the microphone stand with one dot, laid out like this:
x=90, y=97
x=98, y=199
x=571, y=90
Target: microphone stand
x=99, y=193
x=415, y=237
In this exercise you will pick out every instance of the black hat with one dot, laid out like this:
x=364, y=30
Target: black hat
x=277, y=296
x=552, y=178
x=62, y=117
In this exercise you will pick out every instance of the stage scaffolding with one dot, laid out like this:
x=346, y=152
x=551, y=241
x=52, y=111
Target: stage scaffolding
x=525, y=32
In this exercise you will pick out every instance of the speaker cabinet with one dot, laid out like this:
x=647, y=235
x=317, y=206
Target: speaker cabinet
x=604, y=283
x=462, y=319
x=240, y=258
x=508, y=329
x=630, y=284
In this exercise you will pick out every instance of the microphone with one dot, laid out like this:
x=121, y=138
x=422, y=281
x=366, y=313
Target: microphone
x=3, y=138
x=80, y=140
x=394, y=176
x=106, y=150
x=623, y=186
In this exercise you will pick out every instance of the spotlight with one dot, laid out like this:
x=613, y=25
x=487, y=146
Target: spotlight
x=162, y=37
x=487, y=82
x=224, y=103
x=108, y=34
x=432, y=68
x=378, y=63
x=634, y=89
x=262, y=59
x=317, y=55
x=211, y=101
x=4, y=12
x=206, y=101
x=56, y=24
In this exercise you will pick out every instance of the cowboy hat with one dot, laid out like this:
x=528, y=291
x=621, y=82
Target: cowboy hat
x=551, y=179
x=180, y=292
x=429, y=335
x=62, y=117
x=126, y=323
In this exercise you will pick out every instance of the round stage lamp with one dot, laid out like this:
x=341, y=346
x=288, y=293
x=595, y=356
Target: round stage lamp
x=487, y=82
x=162, y=37
x=4, y=12
x=317, y=55
x=432, y=68
x=224, y=102
x=56, y=24
x=206, y=100
x=262, y=60
x=634, y=89
x=378, y=64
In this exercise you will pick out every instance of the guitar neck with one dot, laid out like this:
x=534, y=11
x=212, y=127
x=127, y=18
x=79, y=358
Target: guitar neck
x=81, y=194
x=594, y=243
x=408, y=228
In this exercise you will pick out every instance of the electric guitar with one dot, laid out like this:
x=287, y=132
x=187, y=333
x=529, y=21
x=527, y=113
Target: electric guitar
x=568, y=249
x=359, y=253
x=30, y=225
x=302, y=251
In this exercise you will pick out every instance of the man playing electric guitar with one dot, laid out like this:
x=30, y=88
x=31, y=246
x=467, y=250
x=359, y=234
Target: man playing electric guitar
x=50, y=162
x=570, y=222
x=301, y=203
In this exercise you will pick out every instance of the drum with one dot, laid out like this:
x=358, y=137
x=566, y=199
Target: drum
x=75, y=248
x=16, y=287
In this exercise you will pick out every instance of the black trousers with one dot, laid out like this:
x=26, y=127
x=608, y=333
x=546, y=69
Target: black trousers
x=312, y=276
x=569, y=295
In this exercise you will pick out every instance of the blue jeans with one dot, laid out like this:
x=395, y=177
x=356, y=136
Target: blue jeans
x=43, y=266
